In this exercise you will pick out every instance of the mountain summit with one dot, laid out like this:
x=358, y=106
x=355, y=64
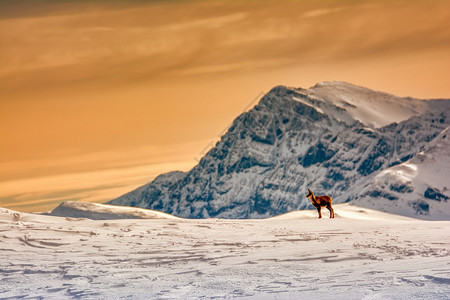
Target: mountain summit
x=335, y=138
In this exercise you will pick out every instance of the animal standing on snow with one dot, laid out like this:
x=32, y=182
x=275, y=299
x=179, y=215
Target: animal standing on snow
x=319, y=201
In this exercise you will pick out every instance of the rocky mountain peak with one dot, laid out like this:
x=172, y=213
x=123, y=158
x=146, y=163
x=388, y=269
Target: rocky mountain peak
x=333, y=138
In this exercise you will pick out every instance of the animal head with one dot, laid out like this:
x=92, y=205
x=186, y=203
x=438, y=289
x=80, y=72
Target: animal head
x=310, y=193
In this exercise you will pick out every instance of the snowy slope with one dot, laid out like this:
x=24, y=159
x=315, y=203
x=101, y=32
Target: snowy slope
x=361, y=254
x=333, y=138
x=344, y=211
x=418, y=186
x=97, y=211
x=372, y=108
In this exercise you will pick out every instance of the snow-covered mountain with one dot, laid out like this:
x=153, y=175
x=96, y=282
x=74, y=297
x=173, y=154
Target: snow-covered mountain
x=417, y=187
x=335, y=138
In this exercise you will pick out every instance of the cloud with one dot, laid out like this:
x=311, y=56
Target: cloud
x=135, y=41
x=209, y=23
x=320, y=12
x=93, y=177
x=107, y=159
x=94, y=186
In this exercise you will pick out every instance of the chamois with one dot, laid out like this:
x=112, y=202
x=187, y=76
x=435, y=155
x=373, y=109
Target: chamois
x=319, y=201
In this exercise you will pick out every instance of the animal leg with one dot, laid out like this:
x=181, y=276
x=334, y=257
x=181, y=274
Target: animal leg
x=320, y=213
x=331, y=211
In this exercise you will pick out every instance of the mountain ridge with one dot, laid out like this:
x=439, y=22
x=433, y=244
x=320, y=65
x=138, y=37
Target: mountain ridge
x=333, y=138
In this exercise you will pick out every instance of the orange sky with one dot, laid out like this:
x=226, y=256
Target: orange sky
x=97, y=98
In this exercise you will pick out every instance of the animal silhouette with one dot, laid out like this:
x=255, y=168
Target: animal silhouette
x=319, y=201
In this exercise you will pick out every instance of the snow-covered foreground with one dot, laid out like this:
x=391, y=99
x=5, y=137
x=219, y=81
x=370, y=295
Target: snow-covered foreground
x=360, y=254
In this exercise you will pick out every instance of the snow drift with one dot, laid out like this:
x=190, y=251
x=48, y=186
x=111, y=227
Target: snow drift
x=97, y=211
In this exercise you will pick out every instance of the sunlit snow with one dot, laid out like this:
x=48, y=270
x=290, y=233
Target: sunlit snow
x=362, y=254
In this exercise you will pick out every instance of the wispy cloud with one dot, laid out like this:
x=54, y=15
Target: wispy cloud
x=320, y=12
x=98, y=177
x=103, y=160
x=94, y=186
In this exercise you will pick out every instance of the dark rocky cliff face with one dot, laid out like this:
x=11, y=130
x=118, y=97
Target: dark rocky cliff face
x=291, y=141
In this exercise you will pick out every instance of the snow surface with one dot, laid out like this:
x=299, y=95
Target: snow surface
x=361, y=254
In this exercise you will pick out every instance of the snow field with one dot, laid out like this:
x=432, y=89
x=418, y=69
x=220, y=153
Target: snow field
x=360, y=254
